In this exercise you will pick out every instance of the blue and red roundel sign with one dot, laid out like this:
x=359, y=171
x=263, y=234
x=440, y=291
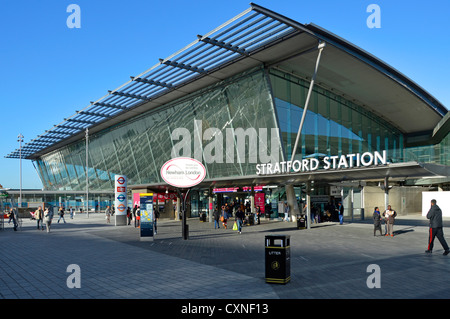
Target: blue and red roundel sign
x=121, y=180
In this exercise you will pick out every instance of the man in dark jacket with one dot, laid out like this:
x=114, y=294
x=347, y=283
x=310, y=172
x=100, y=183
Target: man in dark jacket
x=240, y=216
x=435, y=217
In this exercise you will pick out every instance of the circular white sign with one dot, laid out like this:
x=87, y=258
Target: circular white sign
x=183, y=172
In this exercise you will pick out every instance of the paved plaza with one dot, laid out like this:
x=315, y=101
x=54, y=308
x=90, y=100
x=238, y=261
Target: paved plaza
x=328, y=261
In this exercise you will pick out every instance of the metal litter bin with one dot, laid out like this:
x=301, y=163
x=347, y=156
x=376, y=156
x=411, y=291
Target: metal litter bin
x=278, y=259
x=301, y=222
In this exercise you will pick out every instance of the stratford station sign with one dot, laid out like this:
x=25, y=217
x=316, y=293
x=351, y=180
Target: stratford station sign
x=326, y=163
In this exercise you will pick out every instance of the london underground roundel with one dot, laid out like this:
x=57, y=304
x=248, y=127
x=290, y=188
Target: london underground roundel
x=183, y=172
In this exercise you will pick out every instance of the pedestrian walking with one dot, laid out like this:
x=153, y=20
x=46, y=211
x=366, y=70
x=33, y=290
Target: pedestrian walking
x=39, y=215
x=435, y=217
x=389, y=216
x=224, y=217
x=71, y=212
x=61, y=215
x=216, y=216
x=134, y=214
x=286, y=212
x=377, y=221
x=240, y=216
x=258, y=215
x=340, y=211
x=138, y=216
x=48, y=217
x=155, y=218
x=129, y=215
x=108, y=214
x=14, y=217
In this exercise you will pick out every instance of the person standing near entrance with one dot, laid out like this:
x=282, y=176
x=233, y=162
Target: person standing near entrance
x=134, y=214
x=224, y=217
x=435, y=217
x=216, y=216
x=129, y=216
x=389, y=216
x=240, y=215
x=340, y=211
x=108, y=214
x=48, y=216
x=377, y=221
x=155, y=219
x=286, y=212
x=39, y=215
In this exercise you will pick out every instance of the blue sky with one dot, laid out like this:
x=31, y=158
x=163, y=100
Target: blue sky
x=47, y=70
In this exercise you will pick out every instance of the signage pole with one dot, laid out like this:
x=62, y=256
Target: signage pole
x=87, y=172
x=184, y=226
x=183, y=173
x=120, y=202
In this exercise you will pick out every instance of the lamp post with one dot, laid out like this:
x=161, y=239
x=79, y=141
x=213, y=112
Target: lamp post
x=20, y=140
x=87, y=170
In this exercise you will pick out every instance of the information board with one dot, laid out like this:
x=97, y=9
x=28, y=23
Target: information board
x=146, y=216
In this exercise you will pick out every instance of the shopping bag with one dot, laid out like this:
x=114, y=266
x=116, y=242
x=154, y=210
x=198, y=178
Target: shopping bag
x=235, y=227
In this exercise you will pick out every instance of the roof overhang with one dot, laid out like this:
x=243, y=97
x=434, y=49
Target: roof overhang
x=277, y=42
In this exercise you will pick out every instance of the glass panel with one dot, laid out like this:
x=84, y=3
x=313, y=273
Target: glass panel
x=229, y=128
x=333, y=125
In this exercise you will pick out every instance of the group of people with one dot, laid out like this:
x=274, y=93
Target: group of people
x=388, y=216
x=226, y=213
x=45, y=216
x=434, y=215
x=332, y=213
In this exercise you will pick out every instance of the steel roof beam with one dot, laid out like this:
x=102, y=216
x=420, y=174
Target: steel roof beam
x=80, y=121
x=114, y=106
x=223, y=45
x=93, y=114
x=183, y=66
x=58, y=132
x=134, y=96
x=152, y=82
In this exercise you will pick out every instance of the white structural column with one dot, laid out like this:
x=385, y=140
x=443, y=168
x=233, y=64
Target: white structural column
x=308, y=205
x=292, y=202
x=297, y=139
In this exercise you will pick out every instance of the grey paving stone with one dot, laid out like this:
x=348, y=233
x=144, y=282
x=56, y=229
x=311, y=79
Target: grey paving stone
x=328, y=261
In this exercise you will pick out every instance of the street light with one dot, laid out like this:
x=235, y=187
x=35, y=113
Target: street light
x=20, y=140
x=87, y=172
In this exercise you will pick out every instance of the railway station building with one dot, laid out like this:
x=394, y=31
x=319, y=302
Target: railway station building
x=276, y=110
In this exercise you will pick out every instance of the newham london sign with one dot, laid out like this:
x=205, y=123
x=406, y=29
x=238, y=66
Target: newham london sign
x=183, y=172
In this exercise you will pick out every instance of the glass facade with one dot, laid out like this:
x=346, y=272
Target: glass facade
x=439, y=153
x=77, y=200
x=263, y=106
x=140, y=146
x=333, y=125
